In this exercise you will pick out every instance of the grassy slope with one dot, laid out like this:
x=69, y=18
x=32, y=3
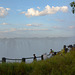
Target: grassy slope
x=57, y=65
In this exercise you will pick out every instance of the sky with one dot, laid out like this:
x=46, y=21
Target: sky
x=36, y=18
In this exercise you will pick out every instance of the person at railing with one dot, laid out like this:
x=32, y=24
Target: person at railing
x=34, y=57
x=64, y=50
x=70, y=48
x=51, y=53
x=45, y=56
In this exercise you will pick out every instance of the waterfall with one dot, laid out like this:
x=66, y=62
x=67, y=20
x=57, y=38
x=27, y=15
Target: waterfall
x=26, y=47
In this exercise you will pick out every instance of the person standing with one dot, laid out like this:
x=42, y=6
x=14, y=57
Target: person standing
x=66, y=49
x=34, y=57
x=51, y=53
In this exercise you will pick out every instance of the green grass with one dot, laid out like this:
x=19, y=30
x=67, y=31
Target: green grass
x=57, y=65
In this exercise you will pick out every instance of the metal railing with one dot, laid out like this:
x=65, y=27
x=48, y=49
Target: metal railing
x=4, y=59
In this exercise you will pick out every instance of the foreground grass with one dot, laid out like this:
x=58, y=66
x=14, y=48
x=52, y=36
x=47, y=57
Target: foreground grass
x=57, y=65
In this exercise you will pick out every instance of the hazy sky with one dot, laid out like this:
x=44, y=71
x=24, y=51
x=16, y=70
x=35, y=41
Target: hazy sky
x=36, y=18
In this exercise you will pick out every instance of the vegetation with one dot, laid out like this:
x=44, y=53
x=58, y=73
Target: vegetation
x=57, y=65
x=72, y=4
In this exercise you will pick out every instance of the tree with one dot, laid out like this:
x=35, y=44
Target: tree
x=72, y=4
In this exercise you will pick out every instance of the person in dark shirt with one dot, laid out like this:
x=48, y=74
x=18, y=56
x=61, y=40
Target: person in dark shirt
x=34, y=56
x=66, y=49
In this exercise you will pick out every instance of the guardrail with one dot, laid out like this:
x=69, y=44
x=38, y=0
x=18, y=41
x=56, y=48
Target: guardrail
x=4, y=59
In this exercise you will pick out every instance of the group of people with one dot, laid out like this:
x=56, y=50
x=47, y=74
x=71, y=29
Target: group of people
x=67, y=48
x=52, y=53
x=44, y=56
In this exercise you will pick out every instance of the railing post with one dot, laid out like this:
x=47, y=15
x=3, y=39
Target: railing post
x=54, y=53
x=3, y=60
x=23, y=59
x=41, y=57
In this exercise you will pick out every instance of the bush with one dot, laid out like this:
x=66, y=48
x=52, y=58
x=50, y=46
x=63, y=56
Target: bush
x=57, y=65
